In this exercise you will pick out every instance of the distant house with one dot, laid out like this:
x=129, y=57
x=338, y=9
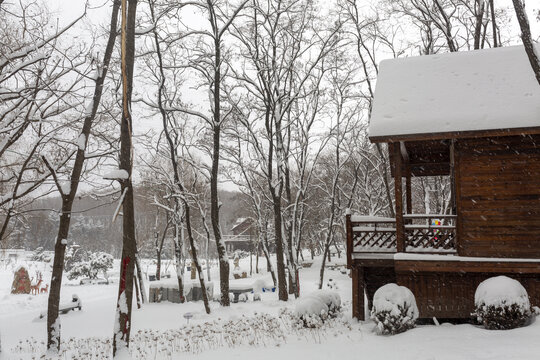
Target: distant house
x=13, y=254
x=475, y=117
x=243, y=236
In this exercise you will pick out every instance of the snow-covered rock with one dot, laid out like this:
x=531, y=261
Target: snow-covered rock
x=394, y=309
x=501, y=303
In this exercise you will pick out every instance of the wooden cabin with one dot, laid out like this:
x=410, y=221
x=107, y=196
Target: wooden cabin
x=475, y=117
x=243, y=236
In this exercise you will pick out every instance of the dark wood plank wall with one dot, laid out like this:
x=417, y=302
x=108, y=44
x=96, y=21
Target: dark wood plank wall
x=498, y=203
x=451, y=294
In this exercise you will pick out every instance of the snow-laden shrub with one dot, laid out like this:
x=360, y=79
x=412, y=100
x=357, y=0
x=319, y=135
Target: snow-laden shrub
x=39, y=255
x=310, y=312
x=501, y=303
x=313, y=309
x=394, y=309
x=330, y=299
x=99, y=262
x=72, y=256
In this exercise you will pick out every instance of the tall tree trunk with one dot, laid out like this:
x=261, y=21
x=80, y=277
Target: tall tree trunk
x=53, y=324
x=519, y=6
x=214, y=201
x=480, y=6
x=140, y=277
x=321, y=272
x=179, y=265
x=125, y=289
x=326, y=253
x=208, y=259
x=269, y=266
x=137, y=292
x=159, y=248
x=196, y=260
x=493, y=23
x=257, y=249
x=158, y=265
x=282, y=281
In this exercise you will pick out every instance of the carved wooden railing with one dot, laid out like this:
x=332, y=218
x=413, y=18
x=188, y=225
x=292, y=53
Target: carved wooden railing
x=369, y=234
x=424, y=236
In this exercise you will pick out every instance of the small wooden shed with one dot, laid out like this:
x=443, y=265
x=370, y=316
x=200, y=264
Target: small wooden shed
x=475, y=117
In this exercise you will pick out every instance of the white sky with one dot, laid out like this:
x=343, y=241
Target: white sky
x=99, y=15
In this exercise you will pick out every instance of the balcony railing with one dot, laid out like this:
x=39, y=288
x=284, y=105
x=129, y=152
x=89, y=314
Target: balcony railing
x=425, y=233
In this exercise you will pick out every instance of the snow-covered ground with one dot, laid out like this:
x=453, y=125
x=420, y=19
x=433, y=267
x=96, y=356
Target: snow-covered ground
x=258, y=330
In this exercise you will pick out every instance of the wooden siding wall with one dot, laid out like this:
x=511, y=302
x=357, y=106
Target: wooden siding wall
x=451, y=295
x=498, y=196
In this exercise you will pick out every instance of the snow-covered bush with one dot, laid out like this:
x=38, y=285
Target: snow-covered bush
x=331, y=299
x=313, y=309
x=96, y=263
x=394, y=309
x=72, y=256
x=39, y=255
x=501, y=303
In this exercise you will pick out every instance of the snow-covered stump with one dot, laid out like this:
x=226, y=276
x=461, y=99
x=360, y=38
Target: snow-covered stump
x=501, y=303
x=394, y=309
x=313, y=309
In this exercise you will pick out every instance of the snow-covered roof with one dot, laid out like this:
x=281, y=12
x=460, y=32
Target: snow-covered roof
x=469, y=91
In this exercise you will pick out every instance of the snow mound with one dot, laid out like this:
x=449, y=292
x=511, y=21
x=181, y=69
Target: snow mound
x=501, y=303
x=499, y=291
x=330, y=298
x=391, y=296
x=117, y=174
x=313, y=309
x=310, y=306
x=394, y=309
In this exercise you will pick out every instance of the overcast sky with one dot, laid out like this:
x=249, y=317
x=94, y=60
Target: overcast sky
x=99, y=15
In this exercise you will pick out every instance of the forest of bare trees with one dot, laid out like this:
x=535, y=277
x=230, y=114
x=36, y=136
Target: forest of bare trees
x=166, y=105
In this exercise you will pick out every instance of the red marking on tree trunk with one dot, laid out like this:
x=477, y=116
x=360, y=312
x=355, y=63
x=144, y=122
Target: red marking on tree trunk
x=125, y=263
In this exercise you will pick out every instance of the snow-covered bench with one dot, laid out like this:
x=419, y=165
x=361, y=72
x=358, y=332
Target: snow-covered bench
x=238, y=289
x=167, y=290
x=65, y=308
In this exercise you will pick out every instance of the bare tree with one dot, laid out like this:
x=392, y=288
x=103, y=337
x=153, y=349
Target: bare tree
x=68, y=190
x=125, y=289
x=532, y=53
x=36, y=91
x=345, y=113
x=207, y=59
x=282, y=47
x=174, y=136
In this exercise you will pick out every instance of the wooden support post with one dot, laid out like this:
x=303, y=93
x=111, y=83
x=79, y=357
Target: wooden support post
x=349, y=238
x=398, y=187
x=408, y=189
x=452, y=176
x=358, y=292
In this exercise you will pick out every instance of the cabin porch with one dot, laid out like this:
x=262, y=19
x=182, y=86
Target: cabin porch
x=442, y=258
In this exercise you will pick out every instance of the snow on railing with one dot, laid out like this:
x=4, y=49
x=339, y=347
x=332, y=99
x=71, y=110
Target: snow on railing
x=425, y=233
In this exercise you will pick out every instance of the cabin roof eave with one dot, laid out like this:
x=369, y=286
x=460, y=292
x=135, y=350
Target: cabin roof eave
x=456, y=135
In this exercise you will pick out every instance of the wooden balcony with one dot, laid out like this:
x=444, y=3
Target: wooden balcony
x=380, y=235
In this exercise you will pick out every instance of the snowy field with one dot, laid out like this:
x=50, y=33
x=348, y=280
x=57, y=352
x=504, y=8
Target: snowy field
x=254, y=330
